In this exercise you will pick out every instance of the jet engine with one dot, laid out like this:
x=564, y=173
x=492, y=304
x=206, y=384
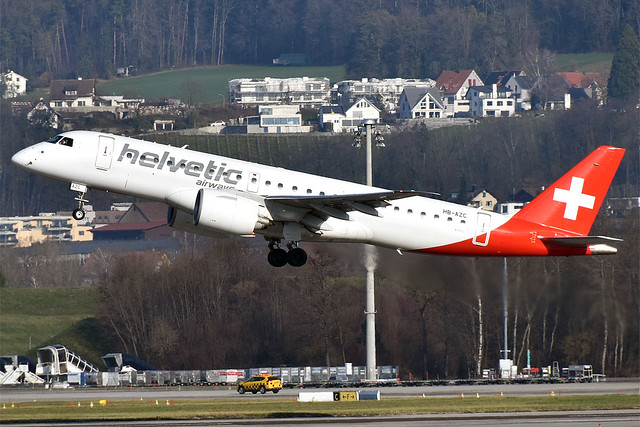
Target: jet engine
x=183, y=221
x=228, y=213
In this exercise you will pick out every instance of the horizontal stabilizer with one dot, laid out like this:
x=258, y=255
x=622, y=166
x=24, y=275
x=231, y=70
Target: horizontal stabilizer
x=595, y=245
x=579, y=241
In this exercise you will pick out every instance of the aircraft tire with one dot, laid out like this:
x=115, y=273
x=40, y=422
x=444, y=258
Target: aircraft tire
x=78, y=214
x=297, y=257
x=277, y=257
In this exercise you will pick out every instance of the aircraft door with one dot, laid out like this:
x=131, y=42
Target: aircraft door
x=105, y=152
x=254, y=182
x=483, y=230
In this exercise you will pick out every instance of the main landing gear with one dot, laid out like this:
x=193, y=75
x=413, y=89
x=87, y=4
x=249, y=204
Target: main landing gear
x=78, y=214
x=278, y=257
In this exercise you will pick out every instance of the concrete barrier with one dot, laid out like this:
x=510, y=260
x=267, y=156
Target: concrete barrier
x=369, y=395
x=315, y=396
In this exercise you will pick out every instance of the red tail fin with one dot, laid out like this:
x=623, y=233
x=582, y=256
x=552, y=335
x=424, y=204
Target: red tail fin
x=573, y=201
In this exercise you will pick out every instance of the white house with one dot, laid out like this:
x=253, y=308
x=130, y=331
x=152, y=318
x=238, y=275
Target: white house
x=361, y=109
x=331, y=117
x=277, y=119
x=14, y=84
x=521, y=86
x=388, y=91
x=304, y=91
x=336, y=119
x=453, y=86
x=491, y=101
x=417, y=102
x=67, y=94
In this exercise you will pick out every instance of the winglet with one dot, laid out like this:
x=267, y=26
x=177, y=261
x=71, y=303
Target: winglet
x=573, y=201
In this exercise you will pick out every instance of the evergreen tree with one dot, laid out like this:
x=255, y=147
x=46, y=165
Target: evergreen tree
x=624, y=80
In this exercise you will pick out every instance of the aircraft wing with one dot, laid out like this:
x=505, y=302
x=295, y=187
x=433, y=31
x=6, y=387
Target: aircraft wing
x=338, y=205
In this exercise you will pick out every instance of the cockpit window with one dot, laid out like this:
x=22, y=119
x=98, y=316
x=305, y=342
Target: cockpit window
x=62, y=140
x=54, y=139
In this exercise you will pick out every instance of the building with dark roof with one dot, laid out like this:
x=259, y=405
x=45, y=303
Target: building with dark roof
x=72, y=93
x=418, y=102
x=500, y=77
x=144, y=220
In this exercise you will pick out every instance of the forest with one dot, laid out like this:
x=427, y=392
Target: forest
x=53, y=39
x=221, y=305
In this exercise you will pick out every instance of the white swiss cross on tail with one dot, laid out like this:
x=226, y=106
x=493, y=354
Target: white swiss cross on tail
x=574, y=198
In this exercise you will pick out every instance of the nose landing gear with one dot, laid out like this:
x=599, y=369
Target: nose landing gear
x=78, y=213
x=278, y=257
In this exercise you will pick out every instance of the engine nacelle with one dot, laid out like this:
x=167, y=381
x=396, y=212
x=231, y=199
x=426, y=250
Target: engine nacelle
x=183, y=199
x=183, y=221
x=225, y=212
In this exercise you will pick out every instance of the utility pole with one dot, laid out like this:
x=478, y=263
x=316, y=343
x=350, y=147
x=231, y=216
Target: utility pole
x=370, y=255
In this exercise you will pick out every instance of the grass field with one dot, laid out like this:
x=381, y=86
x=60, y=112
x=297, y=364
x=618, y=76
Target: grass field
x=249, y=407
x=585, y=62
x=212, y=82
x=209, y=85
x=33, y=318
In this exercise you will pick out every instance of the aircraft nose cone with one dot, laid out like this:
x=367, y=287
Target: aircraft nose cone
x=22, y=158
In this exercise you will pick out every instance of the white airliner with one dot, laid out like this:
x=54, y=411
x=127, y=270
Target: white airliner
x=214, y=195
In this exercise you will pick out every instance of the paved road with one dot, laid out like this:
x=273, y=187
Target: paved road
x=622, y=418
x=618, y=418
x=608, y=387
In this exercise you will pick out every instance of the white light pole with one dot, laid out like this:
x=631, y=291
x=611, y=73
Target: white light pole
x=370, y=255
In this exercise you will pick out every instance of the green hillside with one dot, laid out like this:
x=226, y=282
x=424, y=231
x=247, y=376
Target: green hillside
x=206, y=84
x=33, y=318
x=209, y=85
x=585, y=62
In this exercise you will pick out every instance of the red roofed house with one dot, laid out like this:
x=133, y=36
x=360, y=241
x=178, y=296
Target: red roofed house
x=146, y=220
x=592, y=83
x=453, y=86
x=582, y=80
